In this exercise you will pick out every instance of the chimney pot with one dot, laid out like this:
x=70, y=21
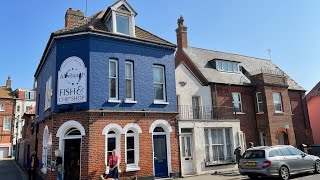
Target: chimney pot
x=182, y=35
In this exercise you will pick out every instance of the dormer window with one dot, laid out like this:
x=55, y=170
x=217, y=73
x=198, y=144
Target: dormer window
x=227, y=66
x=120, y=19
x=123, y=24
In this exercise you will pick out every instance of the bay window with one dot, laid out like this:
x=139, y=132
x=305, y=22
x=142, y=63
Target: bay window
x=218, y=146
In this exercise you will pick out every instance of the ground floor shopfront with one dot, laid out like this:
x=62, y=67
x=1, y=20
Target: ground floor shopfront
x=146, y=142
x=207, y=146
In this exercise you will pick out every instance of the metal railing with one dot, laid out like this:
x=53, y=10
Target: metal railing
x=188, y=112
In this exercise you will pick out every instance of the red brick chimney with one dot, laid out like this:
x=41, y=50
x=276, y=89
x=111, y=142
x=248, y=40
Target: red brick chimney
x=73, y=16
x=182, y=35
x=8, y=83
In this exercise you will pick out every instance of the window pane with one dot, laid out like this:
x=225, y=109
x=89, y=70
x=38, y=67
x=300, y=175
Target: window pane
x=237, y=107
x=218, y=153
x=188, y=146
x=31, y=95
x=128, y=89
x=113, y=88
x=130, y=157
x=219, y=65
x=183, y=147
x=158, y=90
x=260, y=107
x=235, y=67
x=207, y=154
x=277, y=107
x=130, y=142
x=111, y=144
x=227, y=131
x=225, y=66
x=123, y=24
x=112, y=69
x=259, y=97
x=236, y=97
x=276, y=97
x=128, y=70
x=158, y=75
x=230, y=66
x=206, y=136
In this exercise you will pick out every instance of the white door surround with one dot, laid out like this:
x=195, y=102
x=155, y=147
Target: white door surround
x=62, y=135
x=167, y=130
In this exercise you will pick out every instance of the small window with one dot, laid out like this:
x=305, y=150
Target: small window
x=219, y=65
x=237, y=104
x=159, y=83
x=294, y=151
x=130, y=147
x=6, y=124
x=274, y=153
x=129, y=81
x=1, y=107
x=28, y=108
x=260, y=102
x=227, y=66
x=186, y=130
x=284, y=151
x=18, y=108
x=113, y=79
x=123, y=24
x=277, y=102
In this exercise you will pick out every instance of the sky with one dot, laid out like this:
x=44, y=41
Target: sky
x=290, y=28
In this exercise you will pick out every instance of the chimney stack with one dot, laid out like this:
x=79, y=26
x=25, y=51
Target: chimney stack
x=72, y=17
x=182, y=35
x=8, y=83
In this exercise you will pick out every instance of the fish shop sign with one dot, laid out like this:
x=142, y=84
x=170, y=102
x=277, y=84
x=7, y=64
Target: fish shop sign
x=72, y=82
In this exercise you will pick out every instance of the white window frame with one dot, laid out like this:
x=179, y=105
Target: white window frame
x=211, y=161
x=18, y=108
x=163, y=83
x=128, y=100
x=2, y=107
x=261, y=111
x=117, y=80
x=133, y=166
x=48, y=94
x=274, y=102
x=129, y=23
x=240, y=102
x=229, y=64
x=5, y=124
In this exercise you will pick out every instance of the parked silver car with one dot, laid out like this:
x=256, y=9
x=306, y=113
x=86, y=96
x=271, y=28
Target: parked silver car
x=279, y=161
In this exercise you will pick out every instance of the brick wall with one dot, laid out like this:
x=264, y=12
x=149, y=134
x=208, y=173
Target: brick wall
x=93, y=143
x=5, y=136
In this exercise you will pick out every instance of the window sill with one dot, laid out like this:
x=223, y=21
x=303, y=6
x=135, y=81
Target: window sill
x=114, y=101
x=132, y=168
x=160, y=102
x=130, y=102
x=6, y=129
x=278, y=112
x=208, y=164
x=2, y=110
x=240, y=113
x=260, y=113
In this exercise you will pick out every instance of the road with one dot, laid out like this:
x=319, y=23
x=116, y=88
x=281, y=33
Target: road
x=237, y=176
x=10, y=171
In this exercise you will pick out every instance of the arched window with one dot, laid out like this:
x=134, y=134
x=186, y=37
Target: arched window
x=132, y=146
x=45, y=139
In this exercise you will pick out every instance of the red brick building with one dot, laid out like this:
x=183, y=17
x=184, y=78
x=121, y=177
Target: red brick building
x=270, y=105
x=6, y=117
x=313, y=101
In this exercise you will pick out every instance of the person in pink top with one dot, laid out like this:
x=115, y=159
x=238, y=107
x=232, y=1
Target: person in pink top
x=113, y=165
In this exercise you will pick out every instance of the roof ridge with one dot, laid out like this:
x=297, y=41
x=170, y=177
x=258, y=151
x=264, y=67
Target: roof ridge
x=230, y=53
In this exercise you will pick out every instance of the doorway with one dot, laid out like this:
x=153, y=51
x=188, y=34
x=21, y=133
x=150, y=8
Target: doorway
x=187, y=154
x=160, y=153
x=283, y=139
x=72, y=159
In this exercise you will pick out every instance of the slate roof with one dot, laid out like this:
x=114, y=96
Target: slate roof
x=201, y=57
x=6, y=93
x=96, y=23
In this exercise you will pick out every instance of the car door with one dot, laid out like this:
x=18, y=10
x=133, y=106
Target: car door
x=288, y=159
x=299, y=161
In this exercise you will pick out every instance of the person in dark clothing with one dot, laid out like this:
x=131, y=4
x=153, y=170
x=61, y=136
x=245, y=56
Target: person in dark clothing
x=59, y=167
x=237, y=153
x=32, y=165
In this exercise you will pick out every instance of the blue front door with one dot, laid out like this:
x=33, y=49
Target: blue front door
x=160, y=156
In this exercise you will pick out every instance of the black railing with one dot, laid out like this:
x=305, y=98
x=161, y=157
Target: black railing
x=187, y=112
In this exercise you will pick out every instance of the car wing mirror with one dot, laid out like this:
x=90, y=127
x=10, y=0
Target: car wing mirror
x=303, y=154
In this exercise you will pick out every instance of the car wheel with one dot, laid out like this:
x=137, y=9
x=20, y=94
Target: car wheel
x=317, y=167
x=284, y=173
x=253, y=176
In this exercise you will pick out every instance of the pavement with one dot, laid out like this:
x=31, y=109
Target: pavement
x=237, y=176
x=9, y=170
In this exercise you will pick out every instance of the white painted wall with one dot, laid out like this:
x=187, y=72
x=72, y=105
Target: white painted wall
x=199, y=155
x=18, y=116
x=192, y=87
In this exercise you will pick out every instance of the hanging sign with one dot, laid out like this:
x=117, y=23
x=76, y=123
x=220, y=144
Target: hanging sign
x=72, y=82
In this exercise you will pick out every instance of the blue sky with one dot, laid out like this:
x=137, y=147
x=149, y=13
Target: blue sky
x=290, y=28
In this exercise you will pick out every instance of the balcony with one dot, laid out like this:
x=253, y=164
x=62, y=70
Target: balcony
x=187, y=112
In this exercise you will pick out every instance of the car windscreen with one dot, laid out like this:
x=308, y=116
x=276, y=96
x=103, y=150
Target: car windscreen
x=252, y=154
